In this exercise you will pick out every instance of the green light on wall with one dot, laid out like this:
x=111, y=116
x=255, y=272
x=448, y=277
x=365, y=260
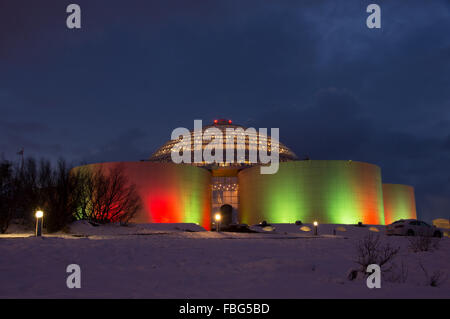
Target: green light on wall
x=193, y=203
x=328, y=191
x=285, y=205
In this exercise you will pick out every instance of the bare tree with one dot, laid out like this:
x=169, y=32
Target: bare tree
x=27, y=190
x=108, y=196
x=64, y=194
x=6, y=195
x=61, y=189
x=86, y=190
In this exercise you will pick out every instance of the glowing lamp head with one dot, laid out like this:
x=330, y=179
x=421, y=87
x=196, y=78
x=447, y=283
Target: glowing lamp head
x=218, y=217
x=315, y=224
x=229, y=121
x=216, y=121
x=39, y=214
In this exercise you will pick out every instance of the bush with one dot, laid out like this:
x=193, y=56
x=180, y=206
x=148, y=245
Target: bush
x=371, y=250
x=398, y=274
x=436, y=279
x=423, y=243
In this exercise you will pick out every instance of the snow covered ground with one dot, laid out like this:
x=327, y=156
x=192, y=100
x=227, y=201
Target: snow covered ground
x=184, y=261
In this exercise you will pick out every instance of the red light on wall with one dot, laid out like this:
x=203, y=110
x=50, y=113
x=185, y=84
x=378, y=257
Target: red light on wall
x=215, y=121
x=229, y=121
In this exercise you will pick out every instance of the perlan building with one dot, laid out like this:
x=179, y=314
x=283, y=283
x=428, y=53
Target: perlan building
x=329, y=191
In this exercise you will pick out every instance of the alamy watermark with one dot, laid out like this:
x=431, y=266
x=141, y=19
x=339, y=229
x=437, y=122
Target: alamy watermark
x=234, y=139
x=374, y=279
x=74, y=279
x=73, y=20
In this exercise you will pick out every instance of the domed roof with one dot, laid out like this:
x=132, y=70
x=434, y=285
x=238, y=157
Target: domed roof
x=163, y=154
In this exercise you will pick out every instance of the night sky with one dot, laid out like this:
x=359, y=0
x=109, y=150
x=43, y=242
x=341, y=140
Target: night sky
x=116, y=89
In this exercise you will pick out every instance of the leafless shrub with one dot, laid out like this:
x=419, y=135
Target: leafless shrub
x=422, y=242
x=371, y=250
x=398, y=274
x=352, y=274
x=436, y=279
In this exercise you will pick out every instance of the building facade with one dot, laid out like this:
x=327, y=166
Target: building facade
x=331, y=191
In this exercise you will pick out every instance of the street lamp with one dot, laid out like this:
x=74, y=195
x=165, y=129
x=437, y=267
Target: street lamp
x=218, y=217
x=315, y=228
x=39, y=216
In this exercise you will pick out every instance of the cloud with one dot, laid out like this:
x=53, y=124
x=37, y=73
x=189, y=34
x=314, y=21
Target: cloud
x=337, y=90
x=17, y=135
x=127, y=146
x=335, y=126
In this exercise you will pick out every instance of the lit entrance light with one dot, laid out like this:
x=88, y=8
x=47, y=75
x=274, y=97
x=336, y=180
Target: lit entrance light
x=218, y=218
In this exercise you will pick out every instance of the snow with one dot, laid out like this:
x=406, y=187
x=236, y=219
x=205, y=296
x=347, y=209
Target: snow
x=185, y=261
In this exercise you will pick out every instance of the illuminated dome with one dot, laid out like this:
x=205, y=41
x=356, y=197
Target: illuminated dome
x=163, y=154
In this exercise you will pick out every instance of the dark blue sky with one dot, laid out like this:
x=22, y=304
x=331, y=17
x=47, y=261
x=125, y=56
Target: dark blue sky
x=115, y=89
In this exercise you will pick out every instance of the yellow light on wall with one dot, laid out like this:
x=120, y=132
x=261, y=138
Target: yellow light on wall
x=39, y=214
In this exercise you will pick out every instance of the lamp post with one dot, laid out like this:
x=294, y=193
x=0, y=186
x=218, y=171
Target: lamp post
x=315, y=228
x=39, y=216
x=218, y=217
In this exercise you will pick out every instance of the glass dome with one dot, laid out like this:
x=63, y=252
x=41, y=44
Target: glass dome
x=163, y=154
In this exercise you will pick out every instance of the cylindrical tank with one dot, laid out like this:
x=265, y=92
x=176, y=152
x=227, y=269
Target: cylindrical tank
x=170, y=193
x=399, y=202
x=340, y=192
